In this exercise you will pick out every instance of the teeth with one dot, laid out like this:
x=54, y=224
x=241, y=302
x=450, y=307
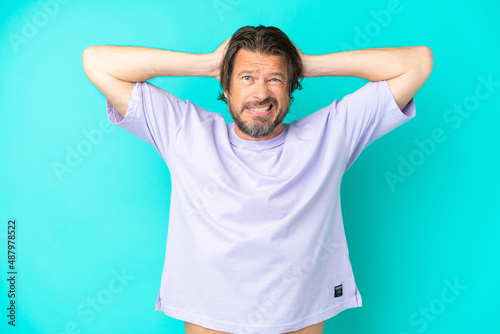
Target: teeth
x=263, y=109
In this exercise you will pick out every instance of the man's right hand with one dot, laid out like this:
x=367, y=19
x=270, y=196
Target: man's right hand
x=218, y=55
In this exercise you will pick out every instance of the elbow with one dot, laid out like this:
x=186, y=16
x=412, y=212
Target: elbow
x=425, y=60
x=89, y=58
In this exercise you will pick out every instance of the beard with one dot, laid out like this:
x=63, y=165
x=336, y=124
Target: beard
x=258, y=126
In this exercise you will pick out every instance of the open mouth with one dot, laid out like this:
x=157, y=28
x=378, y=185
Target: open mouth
x=261, y=110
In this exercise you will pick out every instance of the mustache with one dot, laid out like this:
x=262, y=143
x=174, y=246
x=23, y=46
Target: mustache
x=258, y=103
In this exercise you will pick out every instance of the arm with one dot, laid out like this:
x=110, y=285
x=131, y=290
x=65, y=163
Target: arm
x=405, y=68
x=114, y=69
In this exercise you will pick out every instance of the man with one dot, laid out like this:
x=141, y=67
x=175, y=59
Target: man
x=256, y=241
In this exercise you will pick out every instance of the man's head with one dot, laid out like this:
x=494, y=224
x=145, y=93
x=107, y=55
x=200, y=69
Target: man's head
x=259, y=72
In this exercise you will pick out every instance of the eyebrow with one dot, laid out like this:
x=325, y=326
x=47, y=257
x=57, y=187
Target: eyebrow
x=280, y=74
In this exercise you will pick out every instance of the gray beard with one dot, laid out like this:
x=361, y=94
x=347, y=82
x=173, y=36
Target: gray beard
x=261, y=126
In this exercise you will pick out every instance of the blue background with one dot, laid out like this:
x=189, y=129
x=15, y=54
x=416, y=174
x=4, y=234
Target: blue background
x=109, y=214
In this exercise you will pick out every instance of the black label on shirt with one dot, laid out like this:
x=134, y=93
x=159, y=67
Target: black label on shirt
x=338, y=291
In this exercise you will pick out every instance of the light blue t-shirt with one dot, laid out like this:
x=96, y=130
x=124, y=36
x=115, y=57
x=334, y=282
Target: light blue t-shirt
x=256, y=240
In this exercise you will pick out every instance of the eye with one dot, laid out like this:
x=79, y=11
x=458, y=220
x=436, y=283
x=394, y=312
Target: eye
x=275, y=80
x=247, y=77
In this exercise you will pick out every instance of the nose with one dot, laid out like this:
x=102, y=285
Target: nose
x=261, y=90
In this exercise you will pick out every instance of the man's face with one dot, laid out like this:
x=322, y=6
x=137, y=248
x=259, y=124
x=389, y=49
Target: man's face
x=258, y=102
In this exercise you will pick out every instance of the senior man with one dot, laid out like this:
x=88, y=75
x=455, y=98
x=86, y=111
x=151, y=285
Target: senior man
x=256, y=241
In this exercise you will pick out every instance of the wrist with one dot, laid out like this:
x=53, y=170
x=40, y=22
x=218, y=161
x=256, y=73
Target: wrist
x=333, y=64
x=306, y=65
x=213, y=63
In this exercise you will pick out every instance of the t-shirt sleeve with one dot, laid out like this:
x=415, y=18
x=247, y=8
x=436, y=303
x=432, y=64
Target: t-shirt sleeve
x=368, y=114
x=153, y=114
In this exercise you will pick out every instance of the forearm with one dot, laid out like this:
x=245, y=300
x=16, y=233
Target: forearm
x=371, y=64
x=137, y=64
